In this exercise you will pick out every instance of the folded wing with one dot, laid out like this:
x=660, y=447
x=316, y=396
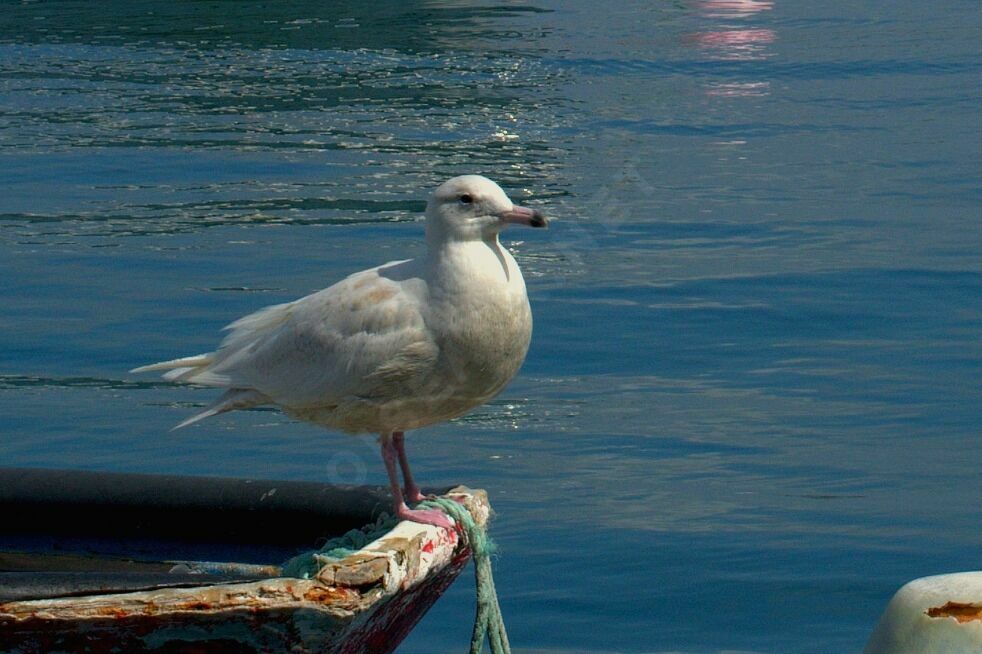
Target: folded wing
x=364, y=338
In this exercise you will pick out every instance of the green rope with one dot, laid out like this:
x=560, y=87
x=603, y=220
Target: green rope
x=488, y=622
x=308, y=564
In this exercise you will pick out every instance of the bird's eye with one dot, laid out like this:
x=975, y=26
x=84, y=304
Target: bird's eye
x=466, y=199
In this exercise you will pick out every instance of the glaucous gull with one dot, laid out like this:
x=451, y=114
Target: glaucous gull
x=397, y=347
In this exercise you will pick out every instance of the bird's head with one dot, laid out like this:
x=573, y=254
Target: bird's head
x=471, y=207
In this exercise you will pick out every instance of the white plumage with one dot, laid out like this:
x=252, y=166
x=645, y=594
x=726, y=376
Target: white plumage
x=404, y=345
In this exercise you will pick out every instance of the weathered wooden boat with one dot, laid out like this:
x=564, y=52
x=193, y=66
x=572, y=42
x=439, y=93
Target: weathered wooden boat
x=100, y=562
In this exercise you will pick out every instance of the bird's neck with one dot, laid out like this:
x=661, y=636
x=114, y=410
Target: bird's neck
x=472, y=261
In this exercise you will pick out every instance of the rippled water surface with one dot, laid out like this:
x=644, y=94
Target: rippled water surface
x=751, y=408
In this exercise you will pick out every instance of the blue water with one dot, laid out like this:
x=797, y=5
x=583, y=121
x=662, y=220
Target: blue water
x=751, y=408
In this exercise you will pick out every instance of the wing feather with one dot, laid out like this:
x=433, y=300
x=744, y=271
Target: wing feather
x=363, y=337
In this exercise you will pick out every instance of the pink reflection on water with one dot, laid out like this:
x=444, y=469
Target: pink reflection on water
x=731, y=36
x=732, y=8
x=742, y=44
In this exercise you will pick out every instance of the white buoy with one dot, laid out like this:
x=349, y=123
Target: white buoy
x=932, y=615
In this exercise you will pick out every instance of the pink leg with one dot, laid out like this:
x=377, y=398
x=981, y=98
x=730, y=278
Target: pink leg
x=412, y=490
x=403, y=512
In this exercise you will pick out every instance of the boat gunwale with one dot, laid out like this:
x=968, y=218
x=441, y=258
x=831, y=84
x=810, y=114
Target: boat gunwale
x=398, y=560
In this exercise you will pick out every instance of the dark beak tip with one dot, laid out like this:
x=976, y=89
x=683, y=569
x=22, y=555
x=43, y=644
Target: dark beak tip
x=539, y=219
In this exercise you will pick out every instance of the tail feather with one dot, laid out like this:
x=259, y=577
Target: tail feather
x=195, y=369
x=178, y=374
x=197, y=361
x=233, y=398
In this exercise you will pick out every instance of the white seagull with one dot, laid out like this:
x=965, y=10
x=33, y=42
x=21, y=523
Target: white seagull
x=404, y=345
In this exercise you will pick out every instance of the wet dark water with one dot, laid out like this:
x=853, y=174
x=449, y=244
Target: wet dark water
x=751, y=409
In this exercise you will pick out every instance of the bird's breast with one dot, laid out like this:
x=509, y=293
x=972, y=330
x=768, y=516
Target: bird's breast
x=477, y=318
x=485, y=324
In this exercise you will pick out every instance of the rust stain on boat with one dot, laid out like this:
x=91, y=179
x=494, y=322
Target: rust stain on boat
x=365, y=603
x=194, y=606
x=325, y=594
x=960, y=611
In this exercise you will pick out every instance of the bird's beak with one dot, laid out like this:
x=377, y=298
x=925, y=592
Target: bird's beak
x=524, y=216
